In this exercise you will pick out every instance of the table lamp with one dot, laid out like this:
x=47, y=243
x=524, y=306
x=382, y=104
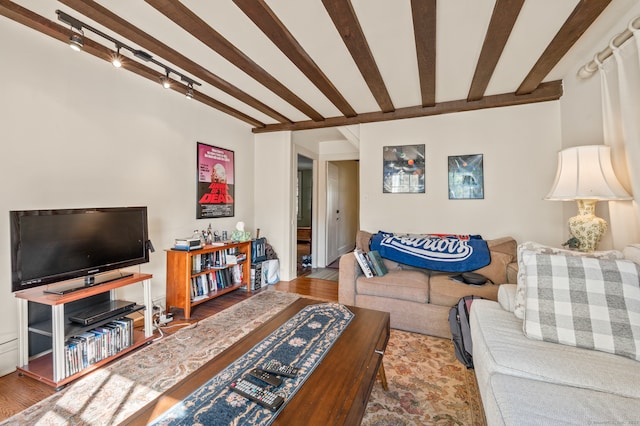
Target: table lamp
x=586, y=176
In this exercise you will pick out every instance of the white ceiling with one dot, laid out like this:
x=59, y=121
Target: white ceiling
x=387, y=25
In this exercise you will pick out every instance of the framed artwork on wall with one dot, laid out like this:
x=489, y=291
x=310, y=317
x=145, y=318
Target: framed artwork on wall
x=403, y=169
x=216, y=188
x=466, y=177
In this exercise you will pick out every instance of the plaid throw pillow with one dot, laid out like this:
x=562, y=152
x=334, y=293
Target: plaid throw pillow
x=585, y=302
x=530, y=246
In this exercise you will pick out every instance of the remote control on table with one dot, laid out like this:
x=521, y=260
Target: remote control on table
x=266, y=377
x=276, y=367
x=257, y=394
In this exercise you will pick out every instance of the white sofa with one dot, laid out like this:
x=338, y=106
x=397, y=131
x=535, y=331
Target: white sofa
x=533, y=382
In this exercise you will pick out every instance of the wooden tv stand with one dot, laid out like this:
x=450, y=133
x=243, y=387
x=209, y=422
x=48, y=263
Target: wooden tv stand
x=43, y=325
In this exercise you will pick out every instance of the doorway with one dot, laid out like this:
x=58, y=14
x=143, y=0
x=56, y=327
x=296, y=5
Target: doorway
x=304, y=209
x=342, y=209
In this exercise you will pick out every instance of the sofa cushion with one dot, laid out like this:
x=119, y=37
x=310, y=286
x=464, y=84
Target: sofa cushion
x=584, y=302
x=496, y=271
x=500, y=347
x=446, y=292
x=506, y=245
x=541, y=248
x=526, y=402
x=405, y=285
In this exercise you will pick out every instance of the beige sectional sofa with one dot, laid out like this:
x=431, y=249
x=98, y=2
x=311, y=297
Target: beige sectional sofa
x=524, y=381
x=418, y=299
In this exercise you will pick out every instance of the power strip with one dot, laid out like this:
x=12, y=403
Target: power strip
x=164, y=319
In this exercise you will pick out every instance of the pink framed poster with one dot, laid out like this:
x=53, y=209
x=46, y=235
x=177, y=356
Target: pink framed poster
x=216, y=189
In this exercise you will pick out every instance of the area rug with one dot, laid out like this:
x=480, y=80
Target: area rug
x=324, y=274
x=427, y=385
x=111, y=394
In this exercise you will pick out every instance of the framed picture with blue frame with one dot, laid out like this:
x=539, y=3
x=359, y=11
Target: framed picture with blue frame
x=466, y=177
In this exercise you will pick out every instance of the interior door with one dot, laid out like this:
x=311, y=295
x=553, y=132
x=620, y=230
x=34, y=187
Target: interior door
x=333, y=211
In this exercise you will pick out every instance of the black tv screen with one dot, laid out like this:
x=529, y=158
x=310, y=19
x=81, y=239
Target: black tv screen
x=49, y=246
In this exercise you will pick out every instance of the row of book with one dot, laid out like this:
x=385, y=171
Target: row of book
x=371, y=263
x=216, y=259
x=97, y=344
x=219, y=279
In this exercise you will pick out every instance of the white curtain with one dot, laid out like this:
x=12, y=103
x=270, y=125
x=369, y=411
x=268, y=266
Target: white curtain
x=620, y=84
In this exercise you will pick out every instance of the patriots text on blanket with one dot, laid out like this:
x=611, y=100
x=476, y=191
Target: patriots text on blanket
x=441, y=252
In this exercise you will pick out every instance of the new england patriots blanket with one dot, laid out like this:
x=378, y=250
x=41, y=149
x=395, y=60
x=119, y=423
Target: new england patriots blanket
x=446, y=252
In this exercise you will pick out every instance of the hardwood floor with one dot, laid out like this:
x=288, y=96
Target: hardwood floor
x=20, y=392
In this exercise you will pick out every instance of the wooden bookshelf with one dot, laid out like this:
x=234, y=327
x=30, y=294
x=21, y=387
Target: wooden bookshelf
x=184, y=270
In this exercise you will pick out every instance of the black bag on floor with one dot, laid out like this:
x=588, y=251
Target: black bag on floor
x=460, y=331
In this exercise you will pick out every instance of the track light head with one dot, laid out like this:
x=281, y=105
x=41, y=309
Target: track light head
x=166, y=81
x=189, y=93
x=117, y=59
x=76, y=41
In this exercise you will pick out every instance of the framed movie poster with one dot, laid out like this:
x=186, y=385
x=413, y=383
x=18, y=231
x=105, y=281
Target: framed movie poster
x=216, y=189
x=466, y=177
x=403, y=169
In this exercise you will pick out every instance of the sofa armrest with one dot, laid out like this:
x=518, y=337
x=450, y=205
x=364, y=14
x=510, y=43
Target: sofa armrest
x=348, y=274
x=507, y=297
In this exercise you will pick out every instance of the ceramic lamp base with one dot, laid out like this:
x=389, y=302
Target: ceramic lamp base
x=586, y=226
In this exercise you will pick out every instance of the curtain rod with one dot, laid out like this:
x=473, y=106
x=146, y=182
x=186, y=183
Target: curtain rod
x=591, y=67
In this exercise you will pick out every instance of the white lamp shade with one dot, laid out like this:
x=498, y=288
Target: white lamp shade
x=585, y=173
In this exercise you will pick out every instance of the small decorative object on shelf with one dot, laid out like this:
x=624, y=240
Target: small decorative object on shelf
x=239, y=234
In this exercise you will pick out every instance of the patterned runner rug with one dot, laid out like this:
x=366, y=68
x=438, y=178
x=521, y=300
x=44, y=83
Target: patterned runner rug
x=427, y=385
x=302, y=342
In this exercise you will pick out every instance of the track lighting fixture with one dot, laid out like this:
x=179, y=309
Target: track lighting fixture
x=76, y=41
x=166, y=81
x=117, y=59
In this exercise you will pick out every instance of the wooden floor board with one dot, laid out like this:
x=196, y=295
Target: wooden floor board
x=20, y=392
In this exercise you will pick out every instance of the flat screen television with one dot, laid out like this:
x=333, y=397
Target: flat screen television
x=50, y=246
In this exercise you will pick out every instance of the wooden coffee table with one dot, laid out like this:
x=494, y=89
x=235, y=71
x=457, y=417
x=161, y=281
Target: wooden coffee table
x=337, y=391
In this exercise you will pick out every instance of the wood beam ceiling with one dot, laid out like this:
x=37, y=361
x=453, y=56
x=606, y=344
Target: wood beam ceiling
x=580, y=19
x=551, y=91
x=194, y=25
x=264, y=18
x=347, y=24
x=58, y=32
x=505, y=14
x=424, y=16
x=423, y=13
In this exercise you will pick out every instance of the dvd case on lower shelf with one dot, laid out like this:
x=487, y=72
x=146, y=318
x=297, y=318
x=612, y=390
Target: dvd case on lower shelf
x=97, y=344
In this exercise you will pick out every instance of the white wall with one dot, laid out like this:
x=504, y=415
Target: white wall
x=275, y=174
x=76, y=132
x=519, y=145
